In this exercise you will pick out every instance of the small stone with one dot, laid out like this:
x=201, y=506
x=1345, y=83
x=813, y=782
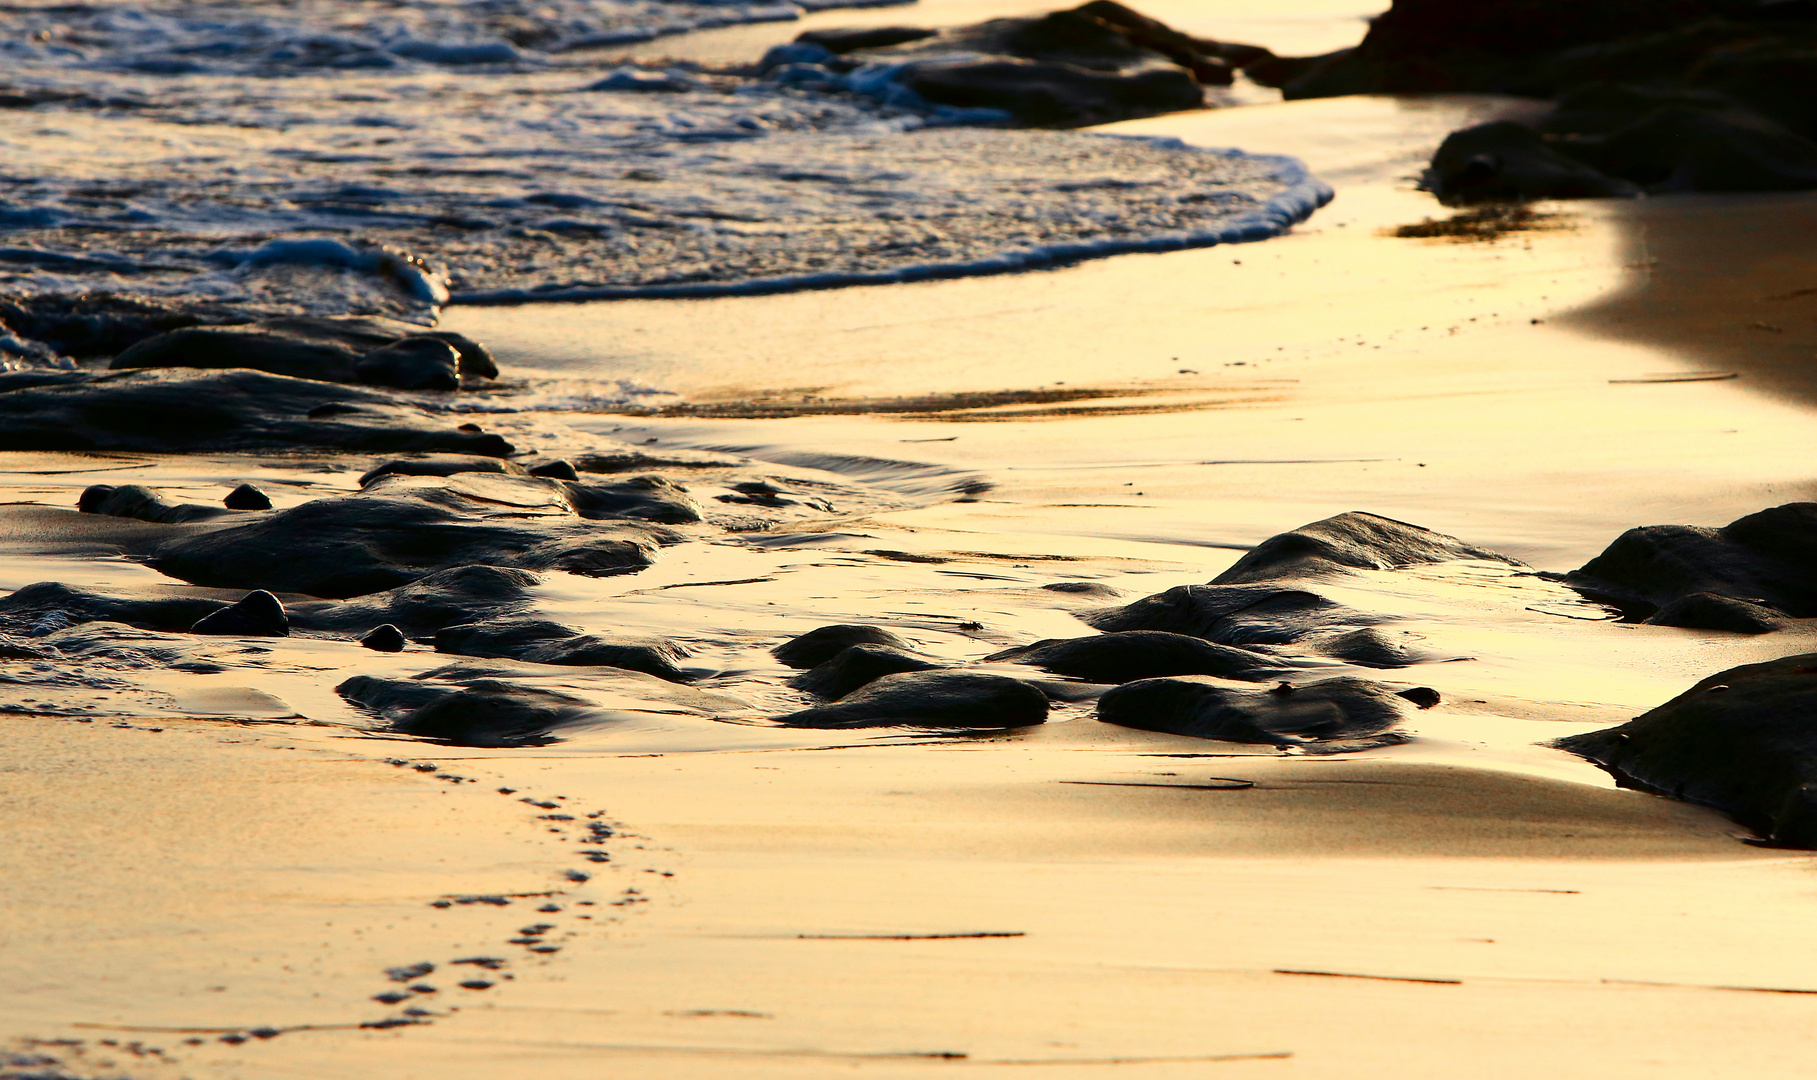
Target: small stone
x=246, y=497
x=258, y=614
x=556, y=470
x=386, y=638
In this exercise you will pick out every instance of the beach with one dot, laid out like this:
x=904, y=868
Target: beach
x=225, y=873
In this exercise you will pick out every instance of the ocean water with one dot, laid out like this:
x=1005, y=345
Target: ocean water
x=345, y=156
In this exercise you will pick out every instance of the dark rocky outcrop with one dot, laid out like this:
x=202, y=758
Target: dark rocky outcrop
x=379, y=540
x=1687, y=95
x=1239, y=615
x=1505, y=161
x=464, y=594
x=1337, y=708
x=1053, y=95
x=258, y=614
x=144, y=504
x=540, y=641
x=852, y=39
x=818, y=646
x=931, y=699
x=1349, y=541
x=440, y=465
x=379, y=352
x=1738, y=577
x=1128, y=655
x=186, y=411
x=857, y=666
x=479, y=712
x=1743, y=741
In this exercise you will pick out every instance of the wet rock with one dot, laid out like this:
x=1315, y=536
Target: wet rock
x=1368, y=647
x=371, y=542
x=440, y=465
x=89, y=325
x=247, y=497
x=645, y=498
x=857, y=666
x=853, y=39
x=818, y=646
x=1240, y=615
x=12, y=648
x=260, y=614
x=484, y=712
x=143, y=504
x=1743, y=741
x=382, y=352
x=1708, y=611
x=1124, y=656
x=415, y=363
x=1053, y=94
x=1350, y=541
x=1092, y=589
x=386, y=638
x=246, y=347
x=180, y=411
x=1764, y=561
x=1505, y=161
x=1705, y=149
x=1338, y=708
x=541, y=641
x=937, y=699
x=555, y=470
x=155, y=607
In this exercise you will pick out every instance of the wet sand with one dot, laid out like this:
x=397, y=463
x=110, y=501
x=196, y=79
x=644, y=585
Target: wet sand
x=1076, y=896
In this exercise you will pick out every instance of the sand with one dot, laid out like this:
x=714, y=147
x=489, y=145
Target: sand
x=1076, y=897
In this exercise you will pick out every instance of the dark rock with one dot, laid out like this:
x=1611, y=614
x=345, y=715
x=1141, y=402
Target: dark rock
x=86, y=326
x=1093, y=589
x=363, y=333
x=938, y=699
x=242, y=347
x=1743, y=741
x=1140, y=654
x=386, y=638
x=247, y=497
x=154, y=607
x=555, y=470
x=1045, y=94
x=1705, y=149
x=1350, y=541
x=415, y=363
x=857, y=666
x=1368, y=647
x=346, y=547
x=1708, y=611
x=1422, y=696
x=483, y=712
x=818, y=646
x=1764, y=560
x=463, y=594
x=852, y=39
x=1505, y=161
x=1240, y=615
x=440, y=465
x=540, y=641
x=644, y=498
x=260, y=614
x=143, y=504
x=179, y=411
x=1339, y=708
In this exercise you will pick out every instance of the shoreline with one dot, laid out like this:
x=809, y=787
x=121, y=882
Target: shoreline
x=802, y=902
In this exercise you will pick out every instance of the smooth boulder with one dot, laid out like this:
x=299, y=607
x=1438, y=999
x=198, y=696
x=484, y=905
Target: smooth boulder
x=960, y=700
x=858, y=666
x=541, y=641
x=821, y=644
x=1743, y=741
x=1128, y=655
x=1337, y=708
x=259, y=614
x=1350, y=541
